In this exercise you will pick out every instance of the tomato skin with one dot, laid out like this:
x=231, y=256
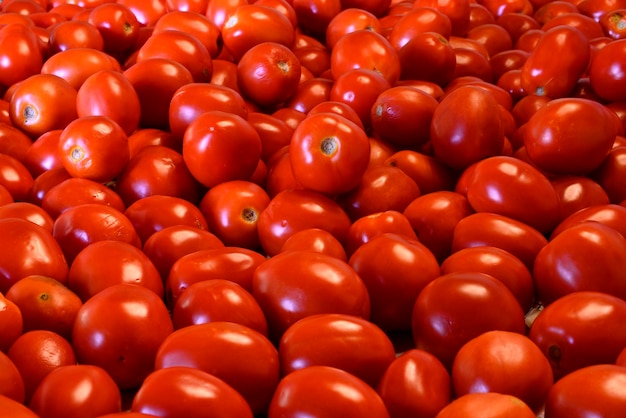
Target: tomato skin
x=576, y=193
x=568, y=329
x=29, y=212
x=466, y=314
x=21, y=57
x=76, y=389
x=457, y=10
x=593, y=390
x=12, y=327
x=488, y=405
x=189, y=392
x=415, y=384
x=15, y=177
x=368, y=227
x=195, y=23
x=224, y=141
x=346, y=342
x=463, y=130
x=251, y=366
x=15, y=409
x=76, y=64
x=77, y=191
x=434, y=51
x=299, y=394
x=329, y=153
x=611, y=215
x=485, y=364
x=513, y=188
x=293, y=285
x=606, y=71
x=395, y=284
x=11, y=382
x=544, y=76
x=132, y=336
x=315, y=239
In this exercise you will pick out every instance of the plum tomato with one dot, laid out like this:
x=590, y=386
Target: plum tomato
x=487, y=405
x=368, y=227
x=77, y=191
x=22, y=56
x=12, y=326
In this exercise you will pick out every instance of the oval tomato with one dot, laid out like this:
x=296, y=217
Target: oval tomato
x=77, y=191
x=488, y=405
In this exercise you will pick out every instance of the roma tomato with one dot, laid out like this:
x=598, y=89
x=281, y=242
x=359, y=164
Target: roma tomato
x=243, y=358
x=12, y=327
x=486, y=363
x=568, y=331
x=610, y=172
x=434, y=51
x=300, y=392
x=345, y=342
x=75, y=65
x=464, y=129
x=608, y=214
x=21, y=57
x=456, y=307
x=350, y=20
x=120, y=329
x=544, y=76
x=117, y=24
x=606, y=71
x=314, y=16
x=11, y=383
x=487, y=405
x=74, y=34
x=15, y=177
x=293, y=285
x=368, y=227
x=77, y=191
x=594, y=390
x=224, y=141
x=28, y=211
x=511, y=187
x=329, y=153
x=457, y=10
x=195, y=23
x=315, y=239
x=430, y=174
x=189, y=392
x=415, y=384
x=576, y=193
x=395, y=284
x=79, y=389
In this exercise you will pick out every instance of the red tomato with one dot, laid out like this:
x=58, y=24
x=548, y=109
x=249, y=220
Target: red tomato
x=594, y=390
x=576, y=193
x=144, y=137
x=368, y=227
x=75, y=65
x=79, y=389
x=21, y=57
x=610, y=173
x=29, y=212
x=268, y=73
x=11, y=383
x=394, y=285
x=345, y=342
x=300, y=392
x=189, y=392
x=544, y=76
x=487, y=362
x=224, y=141
x=274, y=132
x=416, y=21
x=611, y=215
x=329, y=153
x=568, y=330
x=492, y=36
x=117, y=24
x=195, y=23
x=513, y=188
x=415, y=384
x=15, y=409
x=350, y=20
x=315, y=239
x=120, y=329
x=456, y=307
x=13, y=141
x=430, y=174
x=464, y=129
x=457, y=10
x=487, y=405
x=42, y=183
x=434, y=52
x=314, y=16
x=585, y=24
x=77, y=191
x=15, y=177
x=243, y=358
x=12, y=326
x=309, y=94
x=293, y=285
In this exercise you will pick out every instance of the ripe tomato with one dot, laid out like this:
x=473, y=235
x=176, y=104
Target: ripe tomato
x=144, y=137
x=350, y=20
x=76, y=64
x=314, y=16
x=189, y=392
x=21, y=55
x=605, y=71
x=544, y=76
x=15, y=409
x=576, y=193
x=79, y=389
x=329, y=153
x=315, y=239
x=610, y=215
x=434, y=52
x=568, y=330
x=120, y=339
x=195, y=23
x=218, y=300
x=12, y=325
x=13, y=141
x=28, y=211
x=610, y=172
x=243, y=358
x=503, y=362
x=395, y=284
x=456, y=307
x=224, y=141
x=15, y=177
x=309, y=94
x=345, y=342
x=464, y=129
x=293, y=285
x=368, y=227
x=42, y=183
x=487, y=405
x=430, y=174
x=594, y=390
x=77, y=191
x=45, y=303
x=41, y=103
x=11, y=383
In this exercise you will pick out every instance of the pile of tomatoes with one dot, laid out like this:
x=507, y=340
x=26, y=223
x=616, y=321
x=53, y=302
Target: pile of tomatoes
x=320, y=208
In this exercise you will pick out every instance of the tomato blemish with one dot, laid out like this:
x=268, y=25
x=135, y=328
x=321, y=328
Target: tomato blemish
x=77, y=153
x=30, y=114
x=249, y=215
x=329, y=146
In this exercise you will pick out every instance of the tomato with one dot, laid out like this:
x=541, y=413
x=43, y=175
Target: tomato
x=218, y=300
x=45, y=303
x=132, y=322
x=77, y=191
x=21, y=56
x=252, y=24
x=609, y=173
x=605, y=71
x=224, y=141
x=117, y=24
x=29, y=212
x=568, y=330
x=76, y=389
x=43, y=182
x=300, y=392
x=350, y=20
x=315, y=239
x=329, y=153
x=585, y=24
x=611, y=215
x=144, y=137
x=293, y=285
x=496, y=184
x=594, y=390
x=251, y=364
x=15, y=409
x=457, y=10
x=274, y=132
x=434, y=51
x=576, y=193
x=189, y=392
x=231, y=263
x=415, y=384
x=544, y=76
x=368, y=227
x=75, y=65
x=395, y=284
x=13, y=141
x=309, y=94
x=37, y=353
x=416, y=21
x=11, y=383
x=463, y=130
x=15, y=177
x=195, y=23
x=613, y=23
x=430, y=174
x=314, y=16
x=193, y=99
x=488, y=405
x=487, y=362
